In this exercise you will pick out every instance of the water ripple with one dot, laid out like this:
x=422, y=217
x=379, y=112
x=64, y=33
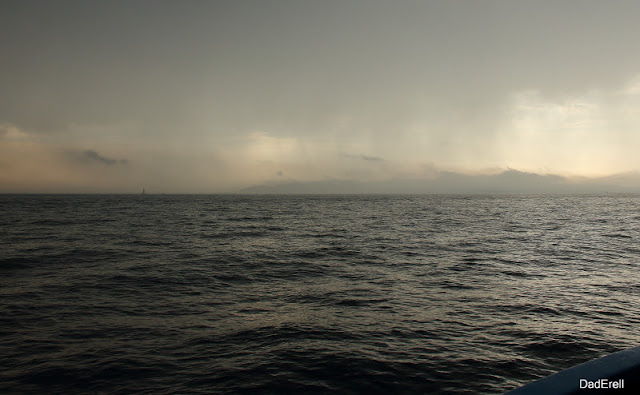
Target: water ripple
x=349, y=294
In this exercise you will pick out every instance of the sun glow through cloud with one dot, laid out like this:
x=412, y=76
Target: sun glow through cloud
x=578, y=135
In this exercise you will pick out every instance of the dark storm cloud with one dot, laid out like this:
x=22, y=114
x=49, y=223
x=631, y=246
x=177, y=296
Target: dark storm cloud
x=94, y=156
x=299, y=63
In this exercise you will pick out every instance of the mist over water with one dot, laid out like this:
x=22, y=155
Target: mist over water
x=354, y=293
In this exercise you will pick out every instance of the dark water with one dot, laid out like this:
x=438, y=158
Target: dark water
x=350, y=294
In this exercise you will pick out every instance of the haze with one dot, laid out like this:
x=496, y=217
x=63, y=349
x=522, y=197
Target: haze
x=221, y=96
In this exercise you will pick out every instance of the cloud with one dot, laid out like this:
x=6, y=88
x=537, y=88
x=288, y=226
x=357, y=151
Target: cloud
x=367, y=158
x=11, y=132
x=465, y=86
x=590, y=133
x=93, y=156
x=372, y=158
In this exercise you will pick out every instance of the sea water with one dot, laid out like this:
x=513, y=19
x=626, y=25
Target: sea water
x=288, y=294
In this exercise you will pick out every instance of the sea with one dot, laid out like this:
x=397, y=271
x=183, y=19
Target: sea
x=205, y=294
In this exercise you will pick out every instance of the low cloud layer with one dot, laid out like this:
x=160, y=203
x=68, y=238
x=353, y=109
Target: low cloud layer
x=93, y=156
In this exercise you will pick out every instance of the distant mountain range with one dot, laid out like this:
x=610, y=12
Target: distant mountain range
x=509, y=181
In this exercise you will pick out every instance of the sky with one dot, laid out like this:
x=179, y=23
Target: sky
x=218, y=96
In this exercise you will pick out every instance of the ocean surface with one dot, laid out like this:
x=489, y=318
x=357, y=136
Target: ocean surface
x=165, y=294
